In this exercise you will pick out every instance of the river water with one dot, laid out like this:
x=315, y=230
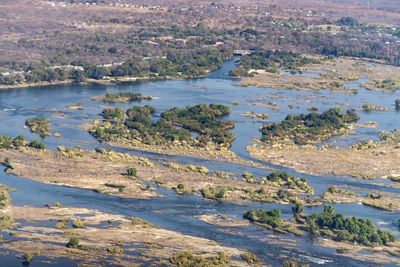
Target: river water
x=178, y=213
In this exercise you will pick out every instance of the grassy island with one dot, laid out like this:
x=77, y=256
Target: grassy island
x=309, y=128
x=122, y=97
x=39, y=125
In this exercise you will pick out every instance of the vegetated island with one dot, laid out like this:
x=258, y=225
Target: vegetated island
x=351, y=236
x=173, y=132
x=367, y=159
x=89, y=236
x=287, y=70
x=39, y=125
x=122, y=97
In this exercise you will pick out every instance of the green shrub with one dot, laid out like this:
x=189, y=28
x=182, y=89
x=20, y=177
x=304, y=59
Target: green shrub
x=250, y=258
x=132, y=172
x=28, y=256
x=37, y=144
x=180, y=187
x=73, y=242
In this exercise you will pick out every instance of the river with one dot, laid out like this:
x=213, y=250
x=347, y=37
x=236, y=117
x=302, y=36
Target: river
x=175, y=212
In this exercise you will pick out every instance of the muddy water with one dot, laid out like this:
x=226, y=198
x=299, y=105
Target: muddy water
x=178, y=212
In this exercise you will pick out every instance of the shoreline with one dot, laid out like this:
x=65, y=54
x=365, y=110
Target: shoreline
x=107, y=81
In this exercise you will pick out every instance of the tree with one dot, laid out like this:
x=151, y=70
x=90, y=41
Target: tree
x=78, y=76
x=328, y=209
x=297, y=208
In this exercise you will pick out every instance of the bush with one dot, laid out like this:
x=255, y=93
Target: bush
x=132, y=172
x=28, y=256
x=180, y=187
x=272, y=217
x=37, y=144
x=73, y=242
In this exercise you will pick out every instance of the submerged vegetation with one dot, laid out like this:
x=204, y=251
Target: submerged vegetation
x=309, y=128
x=174, y=125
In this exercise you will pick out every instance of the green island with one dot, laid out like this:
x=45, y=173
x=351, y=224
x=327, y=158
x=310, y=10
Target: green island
x=39, y=125
x=327, y=224
x=174, y=125
x=309, y=128
x=122, y=97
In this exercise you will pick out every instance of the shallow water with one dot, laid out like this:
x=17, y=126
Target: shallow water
x=177, y=212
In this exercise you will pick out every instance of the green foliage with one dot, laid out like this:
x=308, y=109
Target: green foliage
x=312, y=127
x=6, y=222
x=292, y=182
x=297, y=208
x=189, y=259
x=350, y=229
x=213, y=193
x=38, y=125
x=28, y=256
x=123, y=97
x=115, y=250
x=180, y=187
x=73, y=242
x=250, y=258
x=270, y=60
x=203, y=119
x=5, y=198
x=272, y=217
x=137, y=123
x=328, y=209
x=132, y=172
x=37, y=144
